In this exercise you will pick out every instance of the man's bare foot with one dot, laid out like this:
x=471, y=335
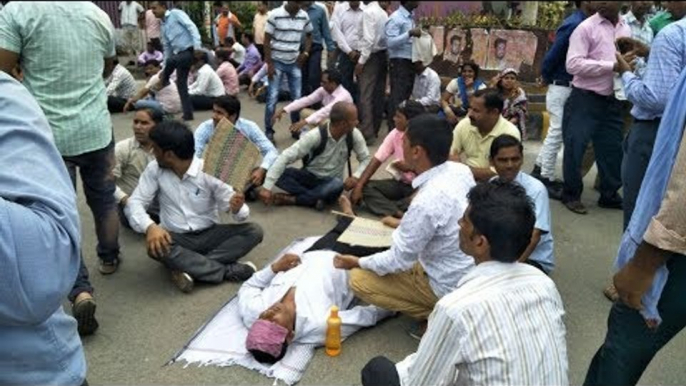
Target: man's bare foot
x=281, y=199
x=345, y=205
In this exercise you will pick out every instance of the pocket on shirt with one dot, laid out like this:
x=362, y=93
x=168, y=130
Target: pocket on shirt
x=200, y=201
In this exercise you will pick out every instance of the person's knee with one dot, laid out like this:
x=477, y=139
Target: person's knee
x=255, y=233
x=357, y=280
x=380, y=371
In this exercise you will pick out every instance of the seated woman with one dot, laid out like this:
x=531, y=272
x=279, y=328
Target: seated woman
x=455, y=98
x=389, y=197
x=514, y=108
x=289, y=300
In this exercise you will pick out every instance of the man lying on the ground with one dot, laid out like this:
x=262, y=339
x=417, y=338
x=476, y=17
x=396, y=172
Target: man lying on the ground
x=190, y=239
x=390, y=197
x=165, y=100
x=330, y=93
x=132, y=156
x=120, y=87
x=425, y=261
x=289, y=302
x=207, y=85
x=507, y=157
x=503, y=324
x=229, y=107
x=325, y=153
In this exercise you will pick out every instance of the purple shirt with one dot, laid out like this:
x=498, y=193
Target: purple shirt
x=591, y=54
x=252, y=61
x=145, y=56
x=340, y=94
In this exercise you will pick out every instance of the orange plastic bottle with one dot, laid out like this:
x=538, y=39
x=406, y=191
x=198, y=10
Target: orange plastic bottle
x=333, y=333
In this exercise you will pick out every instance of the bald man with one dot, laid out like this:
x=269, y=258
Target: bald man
x=325, y=152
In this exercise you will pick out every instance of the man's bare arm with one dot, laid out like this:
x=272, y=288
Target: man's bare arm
x=8, y=60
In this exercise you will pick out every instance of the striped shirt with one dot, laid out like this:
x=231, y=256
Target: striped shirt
x=502, y=326
x=71, y=94
x=286, y=33
x=121, y=83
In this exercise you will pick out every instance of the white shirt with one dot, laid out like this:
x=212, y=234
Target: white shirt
x=373, y=31
x=346, y=28
x=130, y=12
x=189, y=204
x=502, y=326
x=429, y=231
x=207, y=83
x=238, y=52
x=427, y=88
x=120, y=83
x=318, y=286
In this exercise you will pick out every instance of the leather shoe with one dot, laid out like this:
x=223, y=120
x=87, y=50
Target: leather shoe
x=576, y=207
x=613, y=202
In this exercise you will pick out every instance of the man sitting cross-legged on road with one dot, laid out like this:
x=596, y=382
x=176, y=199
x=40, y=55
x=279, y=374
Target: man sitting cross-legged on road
x=425, y=261
x=190, y=240
x=132, y=156
x=473, y=136
x=229, y=107
x=503, y=324
x=325, y=153
x=507, y=157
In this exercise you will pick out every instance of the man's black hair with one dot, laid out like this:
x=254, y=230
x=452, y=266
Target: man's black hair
x=174, y=136
x=229, y=103
x=229, y=41
x=433, y=134
x=334, y=76
x=578, y=4
x=411, y=109
x=249, y=36
x=152, y=62
x=455, y=37
x=223, y=54
x=500, y=40
x=504, y=141
x=504, y=214
x=492, y=98
x=263, y=357
x=200, y=56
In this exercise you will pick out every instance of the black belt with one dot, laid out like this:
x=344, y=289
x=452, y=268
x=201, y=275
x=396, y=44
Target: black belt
x=594, y=94
x=656, y=120
x=563, y=83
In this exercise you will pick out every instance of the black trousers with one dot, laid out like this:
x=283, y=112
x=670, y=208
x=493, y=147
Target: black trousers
x=592, y=117
x=181, y=63
x=380, y=371
x=402, y=80
x=115, y=104
x=202, y=102
x=347, y=69
x=638, y=148
x=312, y=70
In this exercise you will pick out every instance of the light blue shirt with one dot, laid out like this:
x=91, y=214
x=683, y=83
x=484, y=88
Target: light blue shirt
x=398, y=34
x=650, y=93
x=248, y=128
x=669, y=137
x=39, y=249
x=537, y=192
x=178, y=33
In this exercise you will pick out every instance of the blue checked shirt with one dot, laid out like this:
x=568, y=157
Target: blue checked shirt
x=248, y=128
x=667, y=58
x=178, y=33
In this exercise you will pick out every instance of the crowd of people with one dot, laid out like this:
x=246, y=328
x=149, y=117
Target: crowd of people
x=473, y=246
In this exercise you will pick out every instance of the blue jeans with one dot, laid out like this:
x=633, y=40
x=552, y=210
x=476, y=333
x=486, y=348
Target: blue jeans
x=149, y=104
x=292, y=71
x=308, y=188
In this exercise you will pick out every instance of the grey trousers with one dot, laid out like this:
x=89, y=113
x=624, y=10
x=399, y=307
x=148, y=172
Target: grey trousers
x=386, y=197
x=372, y=83
x=210, y=255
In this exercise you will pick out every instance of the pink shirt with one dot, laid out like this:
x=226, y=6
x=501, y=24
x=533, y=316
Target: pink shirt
x=591, y=54
x=393, y=145
x=340, y=94
x=152, y=25
x=227, y=73
x=168, y=96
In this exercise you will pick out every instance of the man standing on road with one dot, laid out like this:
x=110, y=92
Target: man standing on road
x=347, y=32
x=130, y=13
x=651, y=277
x=559, y=81
x=321, y=34
x=70, y=89
x=180, y=37
x=285, y=55
x=371, y=68
x=399, y=32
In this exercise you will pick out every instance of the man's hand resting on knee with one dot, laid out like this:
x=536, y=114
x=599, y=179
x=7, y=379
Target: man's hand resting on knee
x=346, y=262
x=158, y=240
x=286, y=262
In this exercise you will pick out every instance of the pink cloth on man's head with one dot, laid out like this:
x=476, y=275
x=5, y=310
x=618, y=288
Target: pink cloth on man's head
x=267, y=337
x=393, y=145
x=591, y=55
